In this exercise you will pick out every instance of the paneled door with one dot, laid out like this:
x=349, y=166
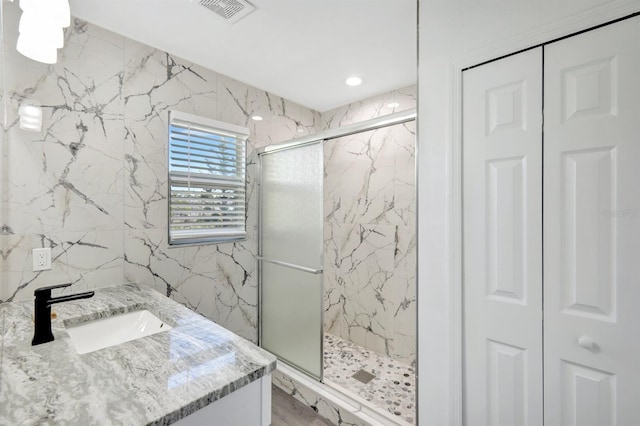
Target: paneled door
x=592, y=227
x=502, y=237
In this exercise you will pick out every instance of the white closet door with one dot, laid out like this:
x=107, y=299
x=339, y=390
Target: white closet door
x=502, y=290
x=592, y=228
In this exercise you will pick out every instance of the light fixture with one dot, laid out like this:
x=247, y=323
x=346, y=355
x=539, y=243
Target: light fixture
x=354, y=80
x=256, y=118
x=62, y=13
x=56, y=12
x=33, y=24
x=393, y=105
x=30, y=117
x=33, y=48
x=41, y=27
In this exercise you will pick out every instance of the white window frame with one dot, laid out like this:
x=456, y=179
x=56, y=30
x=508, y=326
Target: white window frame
x=196, y=180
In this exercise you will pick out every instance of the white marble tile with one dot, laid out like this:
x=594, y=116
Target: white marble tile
x=217, y=281
x=282, y=120
x=369, y=236
x=154, y=84
x=236, y=296
x=404, y=298
x=363, y=259
x=369, y=177
x=89, y=259
x=370, y=108
x=70, y=174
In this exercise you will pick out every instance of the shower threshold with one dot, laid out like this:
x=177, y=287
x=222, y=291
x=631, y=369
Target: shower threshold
x=332, y=401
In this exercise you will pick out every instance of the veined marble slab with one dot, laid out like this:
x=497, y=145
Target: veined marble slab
x=155, y=380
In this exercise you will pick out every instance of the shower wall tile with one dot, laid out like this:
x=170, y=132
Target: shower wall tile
x=93, y=184
x=403, y=344
x=363, y=261
x=369, y=177
x=370, y=108
x=369, y=230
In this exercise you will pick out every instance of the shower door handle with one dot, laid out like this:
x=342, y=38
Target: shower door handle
x=290, y=265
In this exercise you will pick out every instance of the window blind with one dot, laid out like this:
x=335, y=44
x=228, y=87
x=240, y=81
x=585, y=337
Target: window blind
x=207, y=165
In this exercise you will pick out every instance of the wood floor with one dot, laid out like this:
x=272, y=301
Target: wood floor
x=288, y=411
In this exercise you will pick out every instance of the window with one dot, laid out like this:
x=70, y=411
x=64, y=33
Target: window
x=206, y=180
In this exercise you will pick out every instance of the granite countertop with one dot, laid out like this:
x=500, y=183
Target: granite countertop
x=154, y=380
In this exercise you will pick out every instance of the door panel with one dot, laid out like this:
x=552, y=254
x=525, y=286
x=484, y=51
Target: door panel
x=592, y=227
x=291, y=256
x=502, y=219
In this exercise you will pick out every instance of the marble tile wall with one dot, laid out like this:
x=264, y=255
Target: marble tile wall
x=93, y=184
x=3, y=159
x=405, y=98
x=369, y=230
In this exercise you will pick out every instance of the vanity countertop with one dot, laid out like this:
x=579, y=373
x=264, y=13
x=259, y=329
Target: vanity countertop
x=155, y=380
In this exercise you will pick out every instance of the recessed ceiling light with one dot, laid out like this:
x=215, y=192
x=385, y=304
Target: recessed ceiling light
x=354, y=80
x=393, y=105
x=256, y=118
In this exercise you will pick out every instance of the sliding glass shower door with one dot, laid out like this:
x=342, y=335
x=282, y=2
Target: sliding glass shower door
x=291, y=256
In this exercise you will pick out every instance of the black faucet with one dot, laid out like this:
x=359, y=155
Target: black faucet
x=43, y=303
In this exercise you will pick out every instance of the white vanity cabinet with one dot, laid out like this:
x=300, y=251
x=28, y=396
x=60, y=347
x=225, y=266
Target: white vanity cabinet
x=247, y=406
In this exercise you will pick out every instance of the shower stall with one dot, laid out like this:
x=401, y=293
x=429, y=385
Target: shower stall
x=337, y=264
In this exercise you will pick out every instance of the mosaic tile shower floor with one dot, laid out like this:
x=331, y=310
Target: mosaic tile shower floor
x=393, y=388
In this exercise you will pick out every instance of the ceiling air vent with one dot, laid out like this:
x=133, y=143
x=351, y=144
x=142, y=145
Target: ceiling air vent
x=231, y=10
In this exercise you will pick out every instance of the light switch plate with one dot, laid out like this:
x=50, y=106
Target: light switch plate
x=41, y=259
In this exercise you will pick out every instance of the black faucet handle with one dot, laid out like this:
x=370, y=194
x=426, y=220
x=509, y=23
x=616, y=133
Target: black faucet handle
x=46, y=291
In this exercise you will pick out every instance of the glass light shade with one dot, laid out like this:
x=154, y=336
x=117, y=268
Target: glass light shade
x=36, y=48
x=57, y=12
x=63, y=13
x=33, y=25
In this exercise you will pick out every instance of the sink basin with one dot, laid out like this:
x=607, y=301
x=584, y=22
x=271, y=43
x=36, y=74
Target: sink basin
x=111, y=331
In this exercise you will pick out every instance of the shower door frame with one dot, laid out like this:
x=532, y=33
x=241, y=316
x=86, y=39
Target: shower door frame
x=260, y=258
x=321, y=137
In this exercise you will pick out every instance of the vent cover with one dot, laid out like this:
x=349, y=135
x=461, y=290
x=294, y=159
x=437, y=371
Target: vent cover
x=231, y=10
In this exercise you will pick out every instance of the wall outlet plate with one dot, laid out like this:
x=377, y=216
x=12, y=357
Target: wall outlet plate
x=41, y=259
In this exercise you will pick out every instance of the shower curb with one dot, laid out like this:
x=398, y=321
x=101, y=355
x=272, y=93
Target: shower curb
x=332, y=402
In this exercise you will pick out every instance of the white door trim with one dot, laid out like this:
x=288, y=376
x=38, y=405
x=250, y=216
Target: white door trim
x=588, y=19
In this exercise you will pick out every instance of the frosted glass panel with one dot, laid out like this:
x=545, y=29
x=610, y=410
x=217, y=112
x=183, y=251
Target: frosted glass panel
x=292, y=206
x=292, y=316
x=291, y=232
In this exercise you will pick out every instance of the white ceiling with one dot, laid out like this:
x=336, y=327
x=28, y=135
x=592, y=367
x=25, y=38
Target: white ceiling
x=302, y=50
